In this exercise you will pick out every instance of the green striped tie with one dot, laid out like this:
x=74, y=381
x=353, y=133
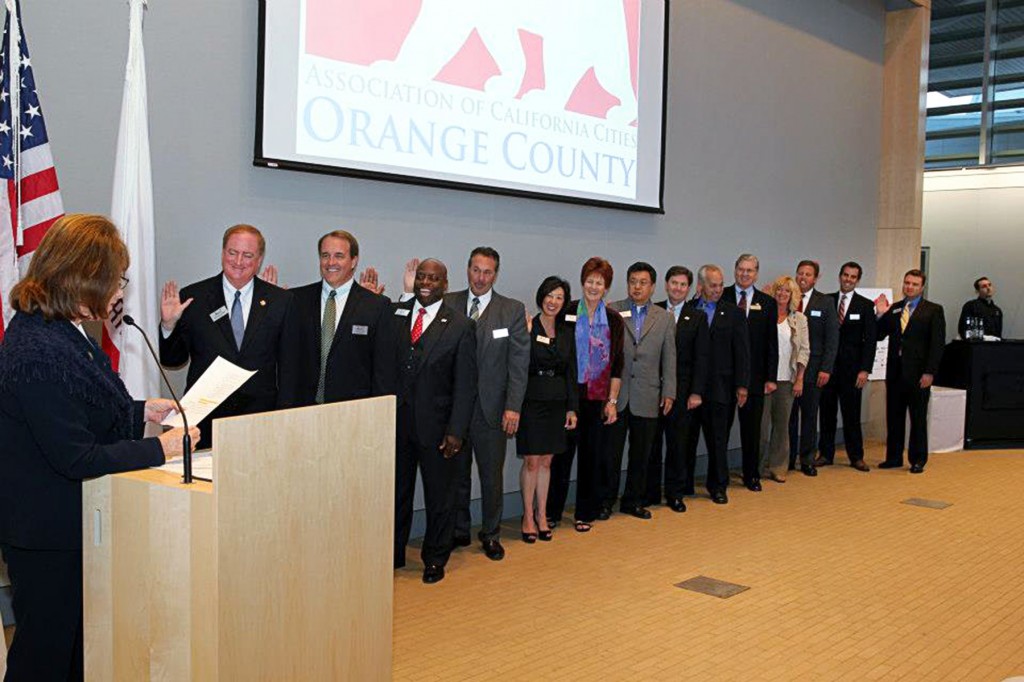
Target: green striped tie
x=326, y=339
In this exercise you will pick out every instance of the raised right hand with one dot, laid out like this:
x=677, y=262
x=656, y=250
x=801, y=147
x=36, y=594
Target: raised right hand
x=170, y=441
x=409, y=277
x=171, y=306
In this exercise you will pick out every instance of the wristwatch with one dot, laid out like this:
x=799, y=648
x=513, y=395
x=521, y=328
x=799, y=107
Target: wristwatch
x=613, y=401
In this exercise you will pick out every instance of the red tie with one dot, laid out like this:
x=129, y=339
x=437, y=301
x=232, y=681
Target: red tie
x=743, y=302
x=800, y=306
x=417, y=327
x=842, y=308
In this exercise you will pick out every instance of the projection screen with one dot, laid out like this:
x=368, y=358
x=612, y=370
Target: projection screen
x=555, y=99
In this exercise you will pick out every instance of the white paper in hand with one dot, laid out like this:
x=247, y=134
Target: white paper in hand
x=218, y=382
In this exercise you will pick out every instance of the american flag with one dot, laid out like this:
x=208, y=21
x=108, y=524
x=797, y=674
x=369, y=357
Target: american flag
x=33, y=200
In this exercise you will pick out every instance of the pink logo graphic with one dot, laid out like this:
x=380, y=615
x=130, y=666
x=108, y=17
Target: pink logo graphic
x=533, y=50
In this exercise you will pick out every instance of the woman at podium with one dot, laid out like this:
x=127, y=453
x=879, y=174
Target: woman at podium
x=65, y=416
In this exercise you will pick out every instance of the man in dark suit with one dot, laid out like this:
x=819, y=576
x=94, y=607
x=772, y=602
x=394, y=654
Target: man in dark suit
x=916, y=330
x=984, y=309
x=823, y=330
x=648, y=390
x=503, y=359
x=858, y=337
x=728, y=375
x=682, y=423
x=339, y=337
x=235, y=315
x=761, y=313
x=435, y=351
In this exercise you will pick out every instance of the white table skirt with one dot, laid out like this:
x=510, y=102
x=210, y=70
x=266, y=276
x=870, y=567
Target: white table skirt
x=946, y=411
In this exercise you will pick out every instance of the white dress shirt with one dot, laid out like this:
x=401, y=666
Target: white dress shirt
x=807, y=299
x=485, y=299
x=847, y=297
x=428, y=317
x=340, y=298
x=675, y=309
x=245, y=299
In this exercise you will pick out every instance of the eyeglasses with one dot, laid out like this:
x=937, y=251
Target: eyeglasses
x=123, y=283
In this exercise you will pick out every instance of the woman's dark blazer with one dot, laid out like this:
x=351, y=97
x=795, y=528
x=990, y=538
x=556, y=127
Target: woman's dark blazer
x=50, y=441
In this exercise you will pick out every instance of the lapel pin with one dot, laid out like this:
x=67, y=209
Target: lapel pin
x=262, y=302
x=444, y=319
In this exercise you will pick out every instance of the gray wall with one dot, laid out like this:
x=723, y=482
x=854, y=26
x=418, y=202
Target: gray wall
x=974, y=225
x=773, y=143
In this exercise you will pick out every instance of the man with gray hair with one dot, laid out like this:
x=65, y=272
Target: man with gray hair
x=728, y=375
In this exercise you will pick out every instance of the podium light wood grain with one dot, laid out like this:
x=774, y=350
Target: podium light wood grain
x=279, y=570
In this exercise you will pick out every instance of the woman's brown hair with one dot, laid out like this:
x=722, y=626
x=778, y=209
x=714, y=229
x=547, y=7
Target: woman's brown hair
x=78, y=264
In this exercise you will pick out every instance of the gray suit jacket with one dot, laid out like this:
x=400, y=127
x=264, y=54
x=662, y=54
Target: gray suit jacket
x=649, y=369
x=823, y=330
x=502, y=353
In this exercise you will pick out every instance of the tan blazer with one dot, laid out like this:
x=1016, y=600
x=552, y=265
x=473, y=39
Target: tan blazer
x=799, y=340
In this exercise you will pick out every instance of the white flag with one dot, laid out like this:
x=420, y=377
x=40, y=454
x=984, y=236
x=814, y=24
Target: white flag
x=132, y=211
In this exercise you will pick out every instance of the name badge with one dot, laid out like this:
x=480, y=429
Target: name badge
x=815, y=313
x=570, y=318
x=360, y=329
x=545, y=340
x=626, y=313
x=854, y=316
x=402, y=312
x=218, y=313
x=500, y=333
x=755, y=306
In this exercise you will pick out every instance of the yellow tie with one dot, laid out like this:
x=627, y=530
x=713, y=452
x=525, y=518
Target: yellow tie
x=904, y=318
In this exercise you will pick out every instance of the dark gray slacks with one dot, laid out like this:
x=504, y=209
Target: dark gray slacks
x=489, y=445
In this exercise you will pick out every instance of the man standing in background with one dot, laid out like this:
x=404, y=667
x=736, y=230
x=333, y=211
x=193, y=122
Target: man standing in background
x=982, y=308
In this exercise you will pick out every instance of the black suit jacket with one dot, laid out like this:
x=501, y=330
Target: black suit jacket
x=729, y=366
x=198, y=340
x=360, y=363
x=858, y=336
x=692, y=352
x=823, y=331
x=918, y=349
x=762, y=326
x=437, y=377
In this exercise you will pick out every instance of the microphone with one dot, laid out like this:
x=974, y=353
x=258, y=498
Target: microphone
x=186, y=440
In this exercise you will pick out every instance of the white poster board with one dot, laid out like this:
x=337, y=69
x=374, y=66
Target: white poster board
x=882, y=351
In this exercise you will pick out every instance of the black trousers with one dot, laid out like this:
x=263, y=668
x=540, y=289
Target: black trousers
x=642, y=431
x=679, y=427
x=840, y=392
x=902, y=397
x=46, y=588
x=440, y=487
x=803, y=422
x=592, y=439
x=561, y=475
x=488, y=445
x=751, y=415
x=714, y=422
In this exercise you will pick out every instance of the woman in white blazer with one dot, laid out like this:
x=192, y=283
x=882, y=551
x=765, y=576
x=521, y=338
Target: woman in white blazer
x=794, y=351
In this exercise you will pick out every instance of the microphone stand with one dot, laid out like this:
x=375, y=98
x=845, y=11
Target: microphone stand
x=186, y=440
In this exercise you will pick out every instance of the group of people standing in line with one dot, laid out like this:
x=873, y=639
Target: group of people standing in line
x=469, y=369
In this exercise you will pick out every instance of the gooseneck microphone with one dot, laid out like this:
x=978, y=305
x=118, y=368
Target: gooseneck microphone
x=186, y=440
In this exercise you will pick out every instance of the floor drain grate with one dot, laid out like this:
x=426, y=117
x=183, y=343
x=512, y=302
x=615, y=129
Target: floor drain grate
x=713, y=587
x=928, y=504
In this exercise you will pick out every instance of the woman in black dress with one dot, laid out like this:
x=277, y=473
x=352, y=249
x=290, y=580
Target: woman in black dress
x=549, y=408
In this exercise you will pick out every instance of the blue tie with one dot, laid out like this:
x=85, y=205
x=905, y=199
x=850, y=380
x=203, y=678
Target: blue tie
x=237, y=324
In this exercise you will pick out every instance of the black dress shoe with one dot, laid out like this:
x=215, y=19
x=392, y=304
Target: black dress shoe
x=677, y=506
x=433, y=574
x=753, y=486
x=604, y=514
x=494, y=550
x=638, y=512
x=808, y=470
x=553, y=522
x=917, y=468
x=860, y=465
x=890, y=465
x=719, y=497
x=462, y=541
x=820, y=461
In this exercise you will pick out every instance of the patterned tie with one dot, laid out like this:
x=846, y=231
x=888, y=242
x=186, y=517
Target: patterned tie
x=743, y=302
x=237, y=323
x=327, y=327
x=417, y=327
x=904, y=318
x=842, y=308
x=474, y=310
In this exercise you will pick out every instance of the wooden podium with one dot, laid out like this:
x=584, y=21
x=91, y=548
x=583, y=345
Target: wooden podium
x=281, y=569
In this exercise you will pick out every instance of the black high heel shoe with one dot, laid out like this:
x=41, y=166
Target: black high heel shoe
x=544, y=535
x=529, y=538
